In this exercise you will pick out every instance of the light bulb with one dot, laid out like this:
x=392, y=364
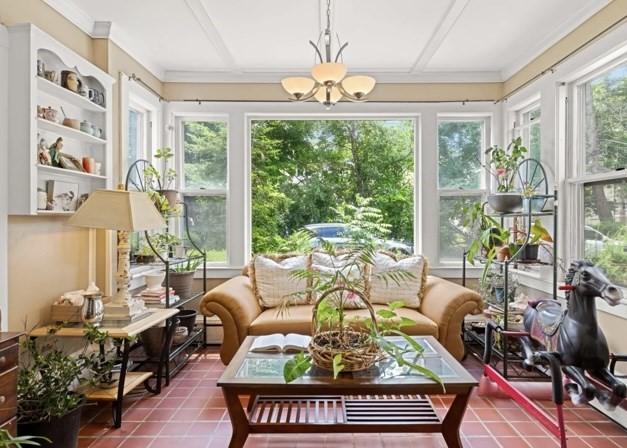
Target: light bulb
x=328, y=73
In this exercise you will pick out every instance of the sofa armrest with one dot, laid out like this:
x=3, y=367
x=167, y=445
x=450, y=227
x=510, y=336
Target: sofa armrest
x=237, y=307
x=447, y=303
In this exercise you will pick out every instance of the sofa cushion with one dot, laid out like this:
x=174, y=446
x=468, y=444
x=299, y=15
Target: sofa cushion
x=273, y=282
x=297, y=319
x=408, y=290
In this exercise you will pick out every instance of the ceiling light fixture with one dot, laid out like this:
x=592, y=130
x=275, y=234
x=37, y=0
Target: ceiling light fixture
x=329, y=83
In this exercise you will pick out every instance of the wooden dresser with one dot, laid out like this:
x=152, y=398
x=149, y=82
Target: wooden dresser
x=9, y=353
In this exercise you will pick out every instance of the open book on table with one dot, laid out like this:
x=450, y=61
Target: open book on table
x=278, y=343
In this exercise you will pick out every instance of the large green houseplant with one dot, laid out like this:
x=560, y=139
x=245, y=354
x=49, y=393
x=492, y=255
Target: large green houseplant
x=347, y=283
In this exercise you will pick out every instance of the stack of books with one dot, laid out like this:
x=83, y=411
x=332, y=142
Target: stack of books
x=155, y=298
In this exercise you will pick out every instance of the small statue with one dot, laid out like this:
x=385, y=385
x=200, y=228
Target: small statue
x=55, y=151
x=43, y=153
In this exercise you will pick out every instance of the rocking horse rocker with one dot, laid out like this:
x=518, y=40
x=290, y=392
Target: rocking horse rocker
x=568, y=342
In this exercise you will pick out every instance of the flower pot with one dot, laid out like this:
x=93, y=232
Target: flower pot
x=171, y=195
x=145, y=259
x=187, y=318
x=182, y=283
x=505, y=202
x=153, y=341
x=61, y=431
x=528, y=253
x=503, y=253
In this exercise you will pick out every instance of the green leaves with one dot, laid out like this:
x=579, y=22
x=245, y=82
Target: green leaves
x=8, y=441
x=296, y=367
x=337, y=365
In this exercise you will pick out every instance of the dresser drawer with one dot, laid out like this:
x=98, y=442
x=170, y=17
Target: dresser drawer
x=8, y=396
x=8, y=357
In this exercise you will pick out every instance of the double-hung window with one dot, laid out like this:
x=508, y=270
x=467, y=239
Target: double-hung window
x=461, y=180
x=598, y=170
x=202, y=160
x=527, y=126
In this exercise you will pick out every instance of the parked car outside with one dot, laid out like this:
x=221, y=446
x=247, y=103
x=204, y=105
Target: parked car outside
x=333, y=233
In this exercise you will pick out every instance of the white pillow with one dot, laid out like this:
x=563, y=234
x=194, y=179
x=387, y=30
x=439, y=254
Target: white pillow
x=409, y=290
x=274, y=284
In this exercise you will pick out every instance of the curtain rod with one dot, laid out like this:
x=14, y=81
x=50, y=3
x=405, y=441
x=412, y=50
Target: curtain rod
x=551, y=68
x=463, y=102
x=137, y=79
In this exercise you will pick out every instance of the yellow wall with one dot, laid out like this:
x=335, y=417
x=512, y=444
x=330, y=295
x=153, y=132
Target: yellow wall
x=45, y=256
x=609, y=15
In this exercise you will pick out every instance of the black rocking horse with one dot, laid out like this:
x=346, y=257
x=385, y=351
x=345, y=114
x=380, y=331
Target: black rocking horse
x=569, y=342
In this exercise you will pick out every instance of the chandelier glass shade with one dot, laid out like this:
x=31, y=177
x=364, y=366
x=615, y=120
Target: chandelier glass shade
x=330, y=83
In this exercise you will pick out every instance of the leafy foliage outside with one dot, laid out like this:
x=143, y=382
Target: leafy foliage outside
x=308, y=171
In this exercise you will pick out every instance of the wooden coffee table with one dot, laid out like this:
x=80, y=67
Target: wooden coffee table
x=385, y=398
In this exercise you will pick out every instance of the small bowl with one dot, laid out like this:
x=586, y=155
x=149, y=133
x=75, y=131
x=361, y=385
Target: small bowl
x=154, y=279
x=73, y=123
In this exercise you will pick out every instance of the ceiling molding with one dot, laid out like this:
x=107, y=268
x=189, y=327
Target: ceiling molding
x=73, y=13
x=561, y=30
x=451, y=16
x=263, y=76
x=105, y=30
x=201, y=14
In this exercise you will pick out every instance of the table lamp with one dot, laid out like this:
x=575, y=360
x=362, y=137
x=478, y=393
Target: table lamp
x=123, y=211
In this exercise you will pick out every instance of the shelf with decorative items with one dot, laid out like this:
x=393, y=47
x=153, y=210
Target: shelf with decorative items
x=509, y=233
x=169, y=280
x=60, y=110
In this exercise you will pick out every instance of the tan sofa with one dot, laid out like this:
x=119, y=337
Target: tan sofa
x=441, y=314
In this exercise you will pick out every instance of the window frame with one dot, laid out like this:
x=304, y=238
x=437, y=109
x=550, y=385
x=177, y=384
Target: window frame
x=519, y=126
x=575, y=175
x=179, y=164
x=484, y=183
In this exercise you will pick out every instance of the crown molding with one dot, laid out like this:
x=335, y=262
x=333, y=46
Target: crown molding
x=401, y=76
x=105, y=30
x=561, y=30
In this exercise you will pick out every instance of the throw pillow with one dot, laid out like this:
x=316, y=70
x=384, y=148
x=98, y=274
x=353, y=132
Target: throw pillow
x=409, y=290
x=327, y=265
x=273, y=282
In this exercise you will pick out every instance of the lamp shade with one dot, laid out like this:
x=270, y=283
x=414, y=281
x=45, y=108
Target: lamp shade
x=297, y=85
x=334, y=95
x=328, y=72
x=358, y=86
x=130, y=211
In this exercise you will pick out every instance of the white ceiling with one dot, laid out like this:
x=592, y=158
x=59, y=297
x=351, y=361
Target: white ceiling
x=395, y=40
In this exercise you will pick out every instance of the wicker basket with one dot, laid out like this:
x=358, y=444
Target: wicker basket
x=362, y=355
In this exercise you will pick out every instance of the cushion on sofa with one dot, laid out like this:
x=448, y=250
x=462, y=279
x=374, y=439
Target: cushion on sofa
x=273, y=282
x=297, y=319
x=409, y=290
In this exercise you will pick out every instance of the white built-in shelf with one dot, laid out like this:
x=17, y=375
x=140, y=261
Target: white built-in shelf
x=67, y=95
x=66, y=131
x=54, y=212
x=68, y=172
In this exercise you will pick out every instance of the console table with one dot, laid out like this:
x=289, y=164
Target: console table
x=129, y=380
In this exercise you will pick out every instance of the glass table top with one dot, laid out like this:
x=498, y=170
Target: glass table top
x=260, y=366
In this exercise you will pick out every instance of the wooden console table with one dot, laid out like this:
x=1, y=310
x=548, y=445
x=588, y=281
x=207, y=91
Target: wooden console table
x=383, y=399
x=129, y=380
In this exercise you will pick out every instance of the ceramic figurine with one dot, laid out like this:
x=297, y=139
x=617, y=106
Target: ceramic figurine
x=43, y=153
x=55, y=150
x=70, y=80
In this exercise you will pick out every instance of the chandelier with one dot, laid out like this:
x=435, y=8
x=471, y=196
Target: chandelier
x=330, y=83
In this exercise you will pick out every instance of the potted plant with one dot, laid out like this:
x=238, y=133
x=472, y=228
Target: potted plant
x=181, y=276
x=502, y=166
x=145, y=254
x=167, y=175
x=529, y=252
x=51, y=386
x=8, y=441
x=339, y=344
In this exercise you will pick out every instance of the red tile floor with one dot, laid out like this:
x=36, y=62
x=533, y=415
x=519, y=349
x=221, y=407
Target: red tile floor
x=191, y=413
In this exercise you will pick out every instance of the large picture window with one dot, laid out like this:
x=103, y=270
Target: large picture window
x=306, y=172
x=461, y=145
x=203, y=145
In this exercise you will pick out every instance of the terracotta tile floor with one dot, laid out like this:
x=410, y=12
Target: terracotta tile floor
x=191, y=414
